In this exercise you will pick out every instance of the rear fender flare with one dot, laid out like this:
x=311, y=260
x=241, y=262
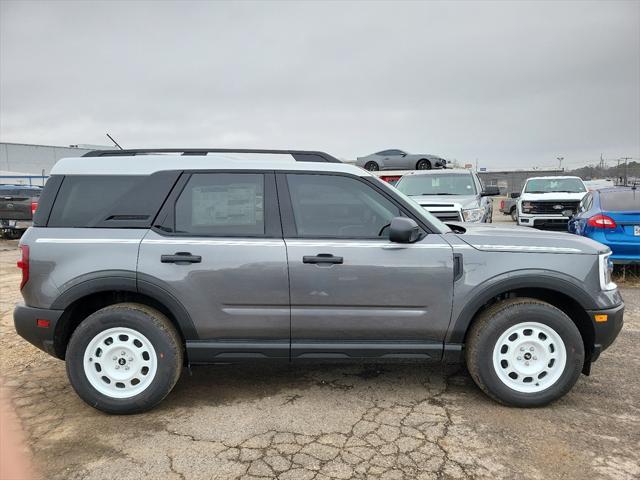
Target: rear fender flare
x=126, y=281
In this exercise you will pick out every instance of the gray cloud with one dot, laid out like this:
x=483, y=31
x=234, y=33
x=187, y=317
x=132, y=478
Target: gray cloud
x=509, y=83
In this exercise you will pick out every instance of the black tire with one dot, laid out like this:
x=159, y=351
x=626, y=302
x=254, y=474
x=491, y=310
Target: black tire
x=514, y=214
x=497, y=319
x=372, y=166
x=147, y=321
x=423, y=164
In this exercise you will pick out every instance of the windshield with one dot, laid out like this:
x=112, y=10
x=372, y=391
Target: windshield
x=437, y=184
x=419, y=209
x=546, y=185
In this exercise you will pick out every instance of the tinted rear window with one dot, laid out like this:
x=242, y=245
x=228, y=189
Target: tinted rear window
x=20, y=192
x=622, y=200
x=84, y=200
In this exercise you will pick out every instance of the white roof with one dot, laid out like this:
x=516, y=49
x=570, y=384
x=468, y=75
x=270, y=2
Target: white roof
x=555, y=177
x=148, y=164
x=458, y=171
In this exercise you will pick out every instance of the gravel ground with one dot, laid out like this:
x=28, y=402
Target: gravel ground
x=326, y=421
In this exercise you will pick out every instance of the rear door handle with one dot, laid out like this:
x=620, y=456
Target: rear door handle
x=181, y=258
x=322, y=258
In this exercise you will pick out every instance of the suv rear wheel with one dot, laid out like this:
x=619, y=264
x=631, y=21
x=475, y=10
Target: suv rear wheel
x=524, y=352
x=124, y=358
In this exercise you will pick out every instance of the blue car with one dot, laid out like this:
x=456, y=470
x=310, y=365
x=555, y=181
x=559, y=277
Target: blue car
x=611, y=216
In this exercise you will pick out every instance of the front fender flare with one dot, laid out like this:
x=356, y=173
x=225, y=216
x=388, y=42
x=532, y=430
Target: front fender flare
x=540, y=279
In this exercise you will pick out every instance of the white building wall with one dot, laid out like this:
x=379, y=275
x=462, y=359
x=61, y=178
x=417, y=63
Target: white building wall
x=33, y=159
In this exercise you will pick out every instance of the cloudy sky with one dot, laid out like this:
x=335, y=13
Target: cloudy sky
x=507, y=83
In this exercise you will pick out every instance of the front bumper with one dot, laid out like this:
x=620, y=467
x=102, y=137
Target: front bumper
x=26, y=322
x=543, y=222
x=605, y=332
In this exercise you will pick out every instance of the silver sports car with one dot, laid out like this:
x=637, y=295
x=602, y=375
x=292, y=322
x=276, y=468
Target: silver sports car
x=400, y=160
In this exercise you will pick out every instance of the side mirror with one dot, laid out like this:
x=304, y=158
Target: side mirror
x=515, y=195
x=403, y=230
x=490, y=191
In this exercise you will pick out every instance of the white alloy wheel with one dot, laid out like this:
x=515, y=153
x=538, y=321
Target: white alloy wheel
x=120, y=362
x=529, y=357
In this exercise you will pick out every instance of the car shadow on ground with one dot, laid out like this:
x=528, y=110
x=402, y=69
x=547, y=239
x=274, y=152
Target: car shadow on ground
x=218, y=384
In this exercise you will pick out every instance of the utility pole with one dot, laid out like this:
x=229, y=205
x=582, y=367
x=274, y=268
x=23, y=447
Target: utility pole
x=618, y=176
x=626, y=169
x=560, y=159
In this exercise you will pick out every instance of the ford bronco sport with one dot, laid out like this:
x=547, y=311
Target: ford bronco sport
x=143, y=262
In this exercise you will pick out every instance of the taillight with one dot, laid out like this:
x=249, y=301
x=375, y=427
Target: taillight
x=501, y=204
x=34, y=207
x=601, y=221
x=23, y=264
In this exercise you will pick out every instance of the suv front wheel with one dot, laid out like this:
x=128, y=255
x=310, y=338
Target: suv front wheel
x=524, y=352
x=124, y=358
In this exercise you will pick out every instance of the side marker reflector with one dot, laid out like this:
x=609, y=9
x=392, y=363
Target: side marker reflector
x=43, y=323
x=601, y=318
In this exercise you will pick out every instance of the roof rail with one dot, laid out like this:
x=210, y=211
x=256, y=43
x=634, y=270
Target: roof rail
x=298, y=155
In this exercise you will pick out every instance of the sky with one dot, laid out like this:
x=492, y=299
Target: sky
x=506, y=83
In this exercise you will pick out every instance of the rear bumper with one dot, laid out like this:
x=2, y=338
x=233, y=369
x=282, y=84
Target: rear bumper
x=606, y=332
x=26, y=319
x=623, y=253
x=625, y=259
x=15, y=224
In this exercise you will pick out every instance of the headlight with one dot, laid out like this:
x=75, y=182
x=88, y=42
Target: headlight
x=606, y=268
x=526, y=207
x=472, y=215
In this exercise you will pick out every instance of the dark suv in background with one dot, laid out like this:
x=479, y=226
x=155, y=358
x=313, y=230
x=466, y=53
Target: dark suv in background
x=18, y=203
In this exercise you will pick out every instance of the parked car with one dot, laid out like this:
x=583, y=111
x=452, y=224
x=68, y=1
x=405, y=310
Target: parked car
x=599, y=183
x=17, y=205
x=546, y=202
x=450, y=195
x=611, y=216
x=400, y=160
x=509, y=206
x=137, y=266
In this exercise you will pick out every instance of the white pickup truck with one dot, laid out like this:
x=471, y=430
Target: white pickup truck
x=548, y=202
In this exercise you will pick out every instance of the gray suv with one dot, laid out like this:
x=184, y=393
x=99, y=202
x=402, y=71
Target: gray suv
x=140, y=263
x=450, y=195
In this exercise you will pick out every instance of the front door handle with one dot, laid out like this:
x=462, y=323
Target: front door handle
x=181, y=258
x=322, y=258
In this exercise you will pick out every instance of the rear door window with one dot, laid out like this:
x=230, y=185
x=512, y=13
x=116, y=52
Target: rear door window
x=222, y=204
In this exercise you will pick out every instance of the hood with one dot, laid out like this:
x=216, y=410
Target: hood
x=494, y=238
x=532, y=197
x=464, y=201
